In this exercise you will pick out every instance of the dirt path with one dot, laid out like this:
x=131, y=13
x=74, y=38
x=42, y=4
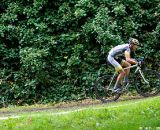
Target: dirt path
x=58, y=106
x=73, y=105
x=67, y=108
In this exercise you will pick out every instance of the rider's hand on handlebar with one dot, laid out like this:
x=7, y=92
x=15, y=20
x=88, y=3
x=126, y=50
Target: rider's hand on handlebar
x=139, y=63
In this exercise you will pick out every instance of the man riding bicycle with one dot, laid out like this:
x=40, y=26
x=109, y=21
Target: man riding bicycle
x=119, y=57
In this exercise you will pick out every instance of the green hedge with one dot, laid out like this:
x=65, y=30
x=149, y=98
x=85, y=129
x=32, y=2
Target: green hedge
x=54, y=50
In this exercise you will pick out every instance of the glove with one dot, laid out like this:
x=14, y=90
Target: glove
x=139, y=63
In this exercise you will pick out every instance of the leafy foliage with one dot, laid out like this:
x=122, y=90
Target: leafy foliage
x=54, y=50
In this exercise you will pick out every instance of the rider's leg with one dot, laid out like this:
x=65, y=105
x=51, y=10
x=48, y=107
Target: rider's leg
x=126, y=65
x=121, y=75
x=119, y=69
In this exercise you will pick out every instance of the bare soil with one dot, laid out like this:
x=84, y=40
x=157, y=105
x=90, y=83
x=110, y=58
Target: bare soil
x=59, y=106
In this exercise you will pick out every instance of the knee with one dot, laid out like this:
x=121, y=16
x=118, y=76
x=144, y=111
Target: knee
x=128, y=64
x=122, y=72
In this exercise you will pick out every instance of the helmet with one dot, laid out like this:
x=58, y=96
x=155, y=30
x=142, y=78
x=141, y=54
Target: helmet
x=133, y=41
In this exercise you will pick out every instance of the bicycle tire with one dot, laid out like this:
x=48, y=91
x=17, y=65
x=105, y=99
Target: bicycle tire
x=151, y=89
x=102, y=91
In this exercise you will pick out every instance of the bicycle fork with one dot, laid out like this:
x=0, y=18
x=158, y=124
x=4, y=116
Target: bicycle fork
x=141, y=73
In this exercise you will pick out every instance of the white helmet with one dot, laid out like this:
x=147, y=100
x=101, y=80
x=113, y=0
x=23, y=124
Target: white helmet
x=133, y=41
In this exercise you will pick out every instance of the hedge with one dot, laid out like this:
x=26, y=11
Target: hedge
x=53, y=51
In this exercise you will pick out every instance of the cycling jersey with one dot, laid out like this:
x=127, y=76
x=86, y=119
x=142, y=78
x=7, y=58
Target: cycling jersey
x=116, y=55
x=119, y=50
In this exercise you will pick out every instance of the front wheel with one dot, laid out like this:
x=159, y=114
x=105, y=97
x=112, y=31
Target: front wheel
x=104, y=89
x=152, y=86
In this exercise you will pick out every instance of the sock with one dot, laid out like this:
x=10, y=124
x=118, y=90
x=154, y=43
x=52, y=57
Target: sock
x=126, y=79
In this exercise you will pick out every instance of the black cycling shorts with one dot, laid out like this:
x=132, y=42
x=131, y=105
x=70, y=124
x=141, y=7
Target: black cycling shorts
x=119, y=59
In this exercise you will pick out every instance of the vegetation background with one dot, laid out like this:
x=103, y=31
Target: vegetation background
x=54, y=50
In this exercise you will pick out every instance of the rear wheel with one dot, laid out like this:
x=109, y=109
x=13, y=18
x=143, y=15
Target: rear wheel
x=104, y=91
x=151, y=87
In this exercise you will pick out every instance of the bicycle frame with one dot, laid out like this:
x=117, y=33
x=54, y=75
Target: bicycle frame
x=138, y=69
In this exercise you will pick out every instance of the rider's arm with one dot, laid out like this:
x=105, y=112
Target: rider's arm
x=129, y=59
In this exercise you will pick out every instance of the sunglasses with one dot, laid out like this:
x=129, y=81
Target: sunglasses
x=136, y=44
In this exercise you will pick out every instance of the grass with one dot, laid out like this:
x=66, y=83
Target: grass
x=142, y=114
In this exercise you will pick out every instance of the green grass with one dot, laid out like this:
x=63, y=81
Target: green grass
x=142, y=114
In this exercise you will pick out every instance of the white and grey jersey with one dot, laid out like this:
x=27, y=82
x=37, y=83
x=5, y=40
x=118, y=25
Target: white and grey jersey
x=119, y=50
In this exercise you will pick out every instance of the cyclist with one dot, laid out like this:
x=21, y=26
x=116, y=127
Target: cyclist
x=119, y=57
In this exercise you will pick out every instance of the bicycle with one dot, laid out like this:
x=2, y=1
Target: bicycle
x=145, y=81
